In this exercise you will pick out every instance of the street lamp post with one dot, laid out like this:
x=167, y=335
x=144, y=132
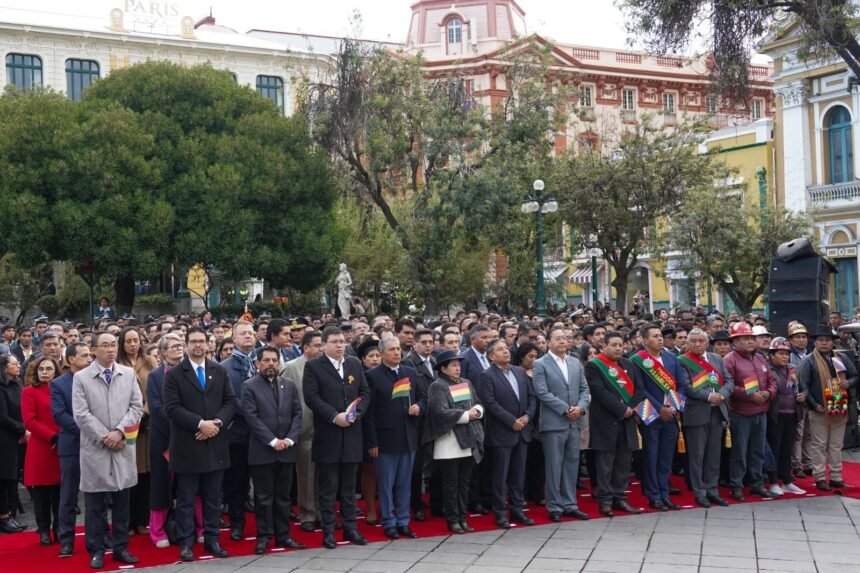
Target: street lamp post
x=592, y=249
x=539, y=204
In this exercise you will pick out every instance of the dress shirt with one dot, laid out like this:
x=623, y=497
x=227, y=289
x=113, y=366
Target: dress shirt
x=562, y=364
x=337, y=365
x=509, y=374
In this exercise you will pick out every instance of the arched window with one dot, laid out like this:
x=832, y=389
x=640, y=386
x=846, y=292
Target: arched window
x=840, y=148
x=455, y=32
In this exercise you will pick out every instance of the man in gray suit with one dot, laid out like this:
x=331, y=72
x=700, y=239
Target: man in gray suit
x=560, y=385
x=312, y=347
x=705, y=413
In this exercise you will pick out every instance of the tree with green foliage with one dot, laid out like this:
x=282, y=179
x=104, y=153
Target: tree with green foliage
x=620, y=192
x=732, y=245
x=162, y=164
x=401, y=137
x=734, y=27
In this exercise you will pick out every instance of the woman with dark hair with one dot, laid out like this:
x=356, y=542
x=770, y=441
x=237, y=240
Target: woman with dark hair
x=42, y=464
x=130, y=354
x=454, y=429
x=12, y=435
x=527, y=353
x=370, y=356
x=224, y=350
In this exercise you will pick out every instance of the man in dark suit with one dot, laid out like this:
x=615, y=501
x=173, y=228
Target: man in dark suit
x=391, y=435
x=474, y=362
x=199, y=401
x=273, y=412
x=705, y=414
x=656, y=371
x=331, y=383
x=240, y=366
x=509, y=406
x=69, y=444
x=612, y=428
x=560, y=385
x=421, y=359
x=24, y=348
x=526, y=332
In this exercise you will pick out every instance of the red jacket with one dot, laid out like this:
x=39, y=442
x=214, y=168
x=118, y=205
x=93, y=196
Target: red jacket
x=742, y=368
x=42, y=463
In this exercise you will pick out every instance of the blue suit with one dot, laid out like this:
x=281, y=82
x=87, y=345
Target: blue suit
x=659, y=438
x=68, y=448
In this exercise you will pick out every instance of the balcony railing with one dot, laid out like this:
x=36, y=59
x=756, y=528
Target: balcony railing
x=628, y=115
x=669, y=117
x=835, y=192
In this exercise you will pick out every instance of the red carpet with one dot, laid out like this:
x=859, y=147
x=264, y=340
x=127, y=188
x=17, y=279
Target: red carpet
x=24, y=551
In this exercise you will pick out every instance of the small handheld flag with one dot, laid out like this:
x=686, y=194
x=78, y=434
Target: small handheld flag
x=751, y=385
x=401, y=389
x=131, y=434
x=675, y=400
x=460, y=392
x=352, y=410
x=646, y=412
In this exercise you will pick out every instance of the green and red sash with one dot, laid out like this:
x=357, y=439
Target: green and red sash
x=616, y=376
x=704, y=374
x=655, y=371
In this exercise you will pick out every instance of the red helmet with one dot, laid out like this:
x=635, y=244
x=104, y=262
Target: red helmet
x=740, y=329
x=779, y=343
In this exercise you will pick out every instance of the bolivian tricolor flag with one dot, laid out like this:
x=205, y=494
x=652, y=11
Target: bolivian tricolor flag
x=131, y=434
x=401, y=389
x=460, y=392
x=751, y=385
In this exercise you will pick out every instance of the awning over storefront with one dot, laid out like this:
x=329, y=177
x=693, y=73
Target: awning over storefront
x=583, y=275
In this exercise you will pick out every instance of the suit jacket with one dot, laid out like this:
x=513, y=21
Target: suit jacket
x=18, y=353
x=387, y=423
x=606, y=416
x=159, y=424
x=186, y=405
x=295, y=371
x=471, y=367
x=327, y=395
x=269, y=419
x=238, y=429
x=69, y=443
x=424, y=378
x=697, y=412
x=502, y=406
x=655, y=393
x=557, y=393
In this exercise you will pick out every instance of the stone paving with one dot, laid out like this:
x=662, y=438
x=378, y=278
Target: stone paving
x=807, y=535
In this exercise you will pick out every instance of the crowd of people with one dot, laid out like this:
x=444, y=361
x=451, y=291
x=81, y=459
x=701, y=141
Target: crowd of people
x=179, y=426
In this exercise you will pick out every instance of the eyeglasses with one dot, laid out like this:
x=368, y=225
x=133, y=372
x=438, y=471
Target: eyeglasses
x=175, y=347
x=45, y=369
x=108, y=345
x=197, y=341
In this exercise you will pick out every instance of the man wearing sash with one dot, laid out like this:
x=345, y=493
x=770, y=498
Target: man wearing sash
x=612, y=422
x=704, y=416
x=661, y=378
x=755, y=387
x=825, y=379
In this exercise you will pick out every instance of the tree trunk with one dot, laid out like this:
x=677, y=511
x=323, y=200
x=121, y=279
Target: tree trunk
x=620, y=284
x=124, y=292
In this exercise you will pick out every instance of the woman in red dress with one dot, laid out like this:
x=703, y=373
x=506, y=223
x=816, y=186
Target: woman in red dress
x=41, y=463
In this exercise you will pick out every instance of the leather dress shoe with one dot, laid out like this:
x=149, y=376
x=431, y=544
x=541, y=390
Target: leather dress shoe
x=97, y=560
x=236, y=534
x=555, y=516
x=835, y=483
x=404, y=531
x=503, y=523
x=419, y=515
x=478, y=508
x=626, y=507
x=761, y=492
x=307, y=526
x=67, y=550
x=606, y=509
x=355, y=537
x=262, y=544
x=822, y=485
x=674, y=490
x=738, y=493
x=391, y=533
x=45, y=538
x=718, y=500
x=186, y=554
x=671, y=504
x=329, y=541
x=214, y=548
x=521, y=518
x=577, y=513
x=290, y=543
x=124, y=557
x=455, y=528
x=703, y=502
x=658, y=505
x=466, y=527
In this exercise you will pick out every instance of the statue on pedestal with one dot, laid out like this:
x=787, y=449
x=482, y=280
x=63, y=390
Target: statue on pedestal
x=344, y=293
